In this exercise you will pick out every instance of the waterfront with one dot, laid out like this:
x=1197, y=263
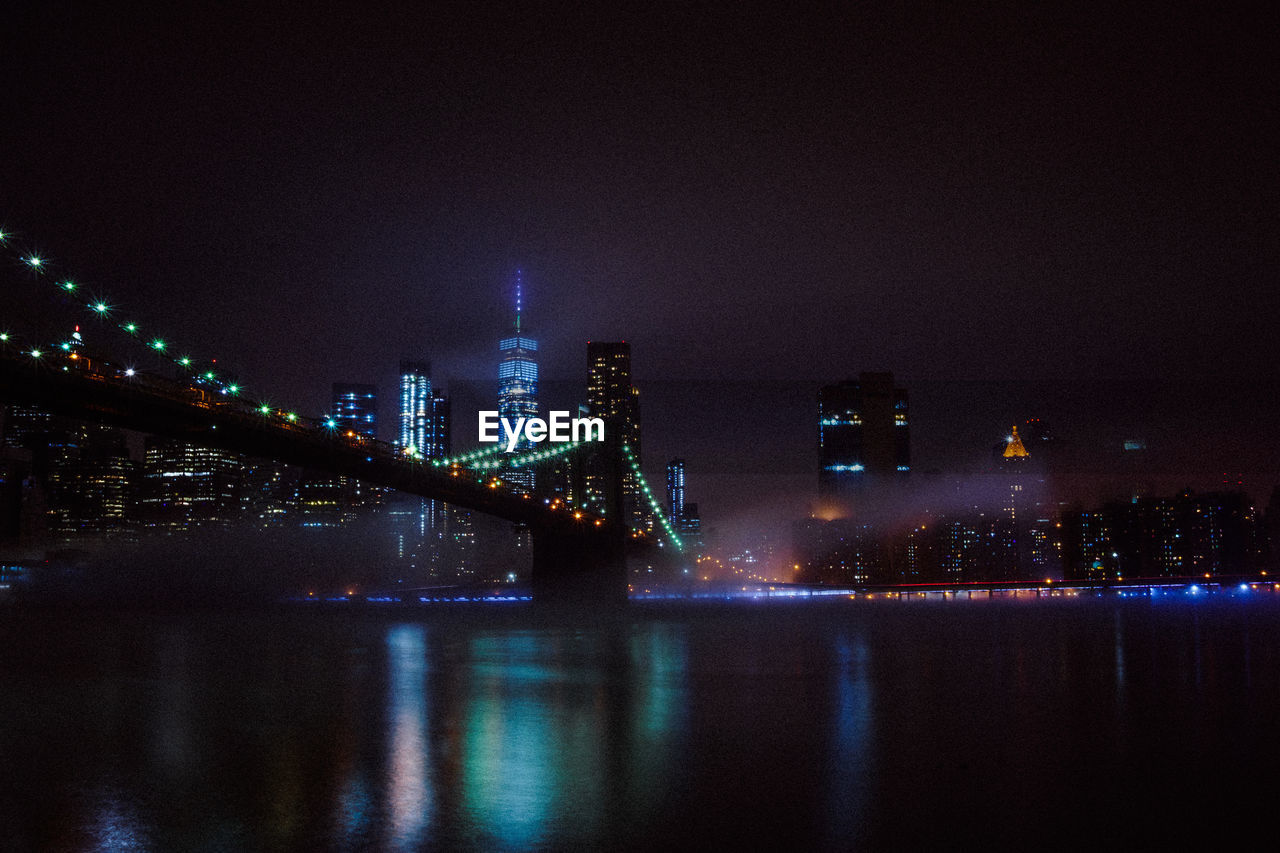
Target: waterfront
x=1017, y=722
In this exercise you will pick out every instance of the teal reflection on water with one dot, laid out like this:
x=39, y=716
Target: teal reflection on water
x=533, y=744
x=563, y=729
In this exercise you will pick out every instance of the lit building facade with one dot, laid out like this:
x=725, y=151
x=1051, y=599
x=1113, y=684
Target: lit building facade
x=1189, y=535
x=355, y=407
x=611, y=396
x=675, y=491
x=415, y=406
x=80, y=474
x=421, y=528
x=185, y=486
x=863, y=434
x=682, y=514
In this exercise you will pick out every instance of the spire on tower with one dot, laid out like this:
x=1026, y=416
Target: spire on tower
x=1013, y=449
x=519, y=297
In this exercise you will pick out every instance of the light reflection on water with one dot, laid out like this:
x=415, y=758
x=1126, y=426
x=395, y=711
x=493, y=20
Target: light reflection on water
x=408, y=748
x=822, y=727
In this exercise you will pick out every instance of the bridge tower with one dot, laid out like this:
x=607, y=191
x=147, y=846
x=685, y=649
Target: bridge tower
x=587, y=567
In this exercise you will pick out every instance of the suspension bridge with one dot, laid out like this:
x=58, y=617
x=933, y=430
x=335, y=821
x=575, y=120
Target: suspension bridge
x=579, y=550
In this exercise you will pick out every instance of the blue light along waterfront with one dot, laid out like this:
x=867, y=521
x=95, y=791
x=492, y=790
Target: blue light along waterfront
x=1010, y=721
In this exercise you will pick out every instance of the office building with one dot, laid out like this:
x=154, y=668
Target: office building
x=185, y=486
x=675, y=491
x=611, y=396
x=415, y=406
x=863, y=435
x=355, y=407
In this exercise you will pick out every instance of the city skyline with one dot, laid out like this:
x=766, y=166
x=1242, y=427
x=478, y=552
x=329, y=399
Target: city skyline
x=932, y=497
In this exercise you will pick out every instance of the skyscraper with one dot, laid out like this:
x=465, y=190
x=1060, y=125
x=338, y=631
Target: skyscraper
x=420, y=525
x=518, y=380
x=675, y=491
x=186, y=486
x=355, y=407
x=81, y=471
x=611, y=396
x=863, y=434
x=682, y=514
x=441, y=432
x=415, y=406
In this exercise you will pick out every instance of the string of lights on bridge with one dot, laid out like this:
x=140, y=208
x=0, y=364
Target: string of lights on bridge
x=526, y=459
x=653, y=502
x=487, y=459
x=102, y=309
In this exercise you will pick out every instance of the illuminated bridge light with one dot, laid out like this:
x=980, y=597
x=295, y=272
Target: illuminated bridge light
x=131, y=327
x=35, y=353
x=101, y=307
x=184, y=361
x=158, y=345
x=4, y=336
x=68, y=286
x=35, y=261
x=233, y=389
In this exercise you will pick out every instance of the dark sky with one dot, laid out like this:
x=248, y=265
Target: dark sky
x=1039, y=194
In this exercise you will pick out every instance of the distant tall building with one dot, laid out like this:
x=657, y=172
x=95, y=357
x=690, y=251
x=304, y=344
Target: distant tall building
x=186, y=486
x=91, y=483
x=675, y=491
x=518, y=379
x=611, y=396
x=863, y=434
x=682, y=514
x=328, y=500
x=355, y=407
x=441, y=435
x=420, y=526
x=81, y=472
x=1191, y=534
x=415, y=406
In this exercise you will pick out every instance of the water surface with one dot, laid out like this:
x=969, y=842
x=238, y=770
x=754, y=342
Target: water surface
x=864, y=724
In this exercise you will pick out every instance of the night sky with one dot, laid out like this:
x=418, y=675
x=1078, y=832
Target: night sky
x=1021, y=209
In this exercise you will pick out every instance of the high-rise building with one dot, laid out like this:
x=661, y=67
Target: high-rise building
x=81, y=471
x=1191, y=534
x=863, y=434
x=415, y=406
x=355, y=407
x=420, y=526
x=329, y=500
x=690, y=528
x=675, y=491
x=440, y=438
x=184, y=485
x=518, y=380
x=91, y=479
x=611, y=396
x=682, y=514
